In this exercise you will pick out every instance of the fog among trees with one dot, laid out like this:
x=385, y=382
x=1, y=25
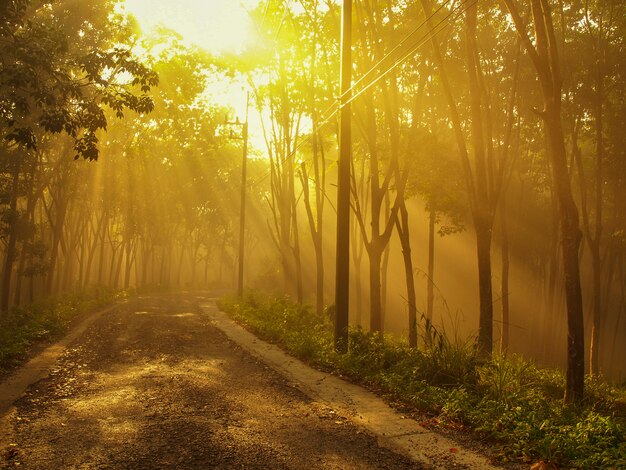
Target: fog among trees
x=487, y=178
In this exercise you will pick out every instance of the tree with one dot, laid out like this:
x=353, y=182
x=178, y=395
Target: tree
x=285, y=97
x=318, y=36
x=439, y=183
x=484, y=172
x=595, y=56
x=545, y=58
x=380, y=128
x=57, y=79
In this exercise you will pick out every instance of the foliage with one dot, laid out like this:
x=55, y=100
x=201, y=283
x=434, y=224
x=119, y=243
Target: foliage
x=56, y=77
x=43, y=321
x=277, y=319
x=508, y=401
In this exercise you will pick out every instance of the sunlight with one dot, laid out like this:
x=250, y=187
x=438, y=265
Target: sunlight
x=215, y=25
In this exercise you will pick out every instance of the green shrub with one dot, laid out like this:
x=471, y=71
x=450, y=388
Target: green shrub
x=45, y=320
x=508, y=401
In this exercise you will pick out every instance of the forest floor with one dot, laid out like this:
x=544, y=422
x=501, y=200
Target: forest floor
x=154, y=383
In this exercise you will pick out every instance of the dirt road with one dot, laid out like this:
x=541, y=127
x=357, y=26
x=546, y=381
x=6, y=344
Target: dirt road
x=153, y=385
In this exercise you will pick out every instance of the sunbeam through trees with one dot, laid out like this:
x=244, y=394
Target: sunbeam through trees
x=469, y=173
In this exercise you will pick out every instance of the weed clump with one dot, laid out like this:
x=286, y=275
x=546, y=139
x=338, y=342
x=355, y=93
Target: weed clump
x=507, y=401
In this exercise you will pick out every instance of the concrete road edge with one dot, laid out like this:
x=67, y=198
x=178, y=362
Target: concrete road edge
x=395, y=432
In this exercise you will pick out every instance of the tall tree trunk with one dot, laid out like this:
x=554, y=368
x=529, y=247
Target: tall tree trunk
x=193, y=259
x=402, y=225
x=118, y=268
x=483, y=251
x=296, y=256
x=92, y=251
x=181, y=259
x=482, y=186
x=27, y=245
x=571, y=237
x=114, y=250
x=621, y=304
x=57, y=241
x=552, y=299
x=11, y=252
x=504, y=332
x=384, y=269
x=358, y=243
x=357, y=248
x=101, y=258
x=221, y=255
x=483, y=209
x=380, y=182
x=375, y=259
x=594, y=240
x=544, y=55
x=128, y=264
x=148, y=255
x=430, y=281
x=316, y=220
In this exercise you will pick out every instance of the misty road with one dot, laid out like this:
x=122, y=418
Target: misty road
x=153, y=385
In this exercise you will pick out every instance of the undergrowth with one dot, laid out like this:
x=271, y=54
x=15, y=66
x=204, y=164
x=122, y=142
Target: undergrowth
x=45, y=320
x=508, y=401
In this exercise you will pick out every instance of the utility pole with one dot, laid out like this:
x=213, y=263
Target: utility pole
x=242, y=205
x=342, y=280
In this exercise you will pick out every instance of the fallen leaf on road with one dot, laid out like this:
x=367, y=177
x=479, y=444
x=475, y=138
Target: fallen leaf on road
x=541, y=465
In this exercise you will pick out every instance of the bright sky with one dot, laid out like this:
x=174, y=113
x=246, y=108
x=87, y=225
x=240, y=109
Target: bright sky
x=215, y=25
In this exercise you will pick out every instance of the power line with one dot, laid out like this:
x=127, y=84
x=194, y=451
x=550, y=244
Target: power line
x=432, y=33
x=396, y=47
x=456, y=11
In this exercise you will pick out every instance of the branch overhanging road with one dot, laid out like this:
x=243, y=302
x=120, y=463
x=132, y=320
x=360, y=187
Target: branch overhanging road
x=159, y=382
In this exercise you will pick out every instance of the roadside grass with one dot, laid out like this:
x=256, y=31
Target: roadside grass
x=509, y=402
x=24, y=327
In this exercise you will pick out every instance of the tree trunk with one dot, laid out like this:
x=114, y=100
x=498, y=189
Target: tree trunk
x=595, y=239
x=118, y=268
x=504, y=332
x=483, y=251
x=57, y=238
x=128, y=264
x=482, y=188
x=571, y=238
x=296, y=256
x=483, y=210
x=101, y=258
x=375, y=250
x=430, y=281
x=26, y=251
x=10, y=253
x=376, y=321
x=384, y=269
x=357, y=256
x=92, y=252
x=181, y=259
x=405, y=241
x=319, y=282
x=544, y=55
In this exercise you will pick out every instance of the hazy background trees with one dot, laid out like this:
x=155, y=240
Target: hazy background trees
x=457, y=199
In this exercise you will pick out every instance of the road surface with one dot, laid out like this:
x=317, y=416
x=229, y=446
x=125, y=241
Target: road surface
x=152, y=384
